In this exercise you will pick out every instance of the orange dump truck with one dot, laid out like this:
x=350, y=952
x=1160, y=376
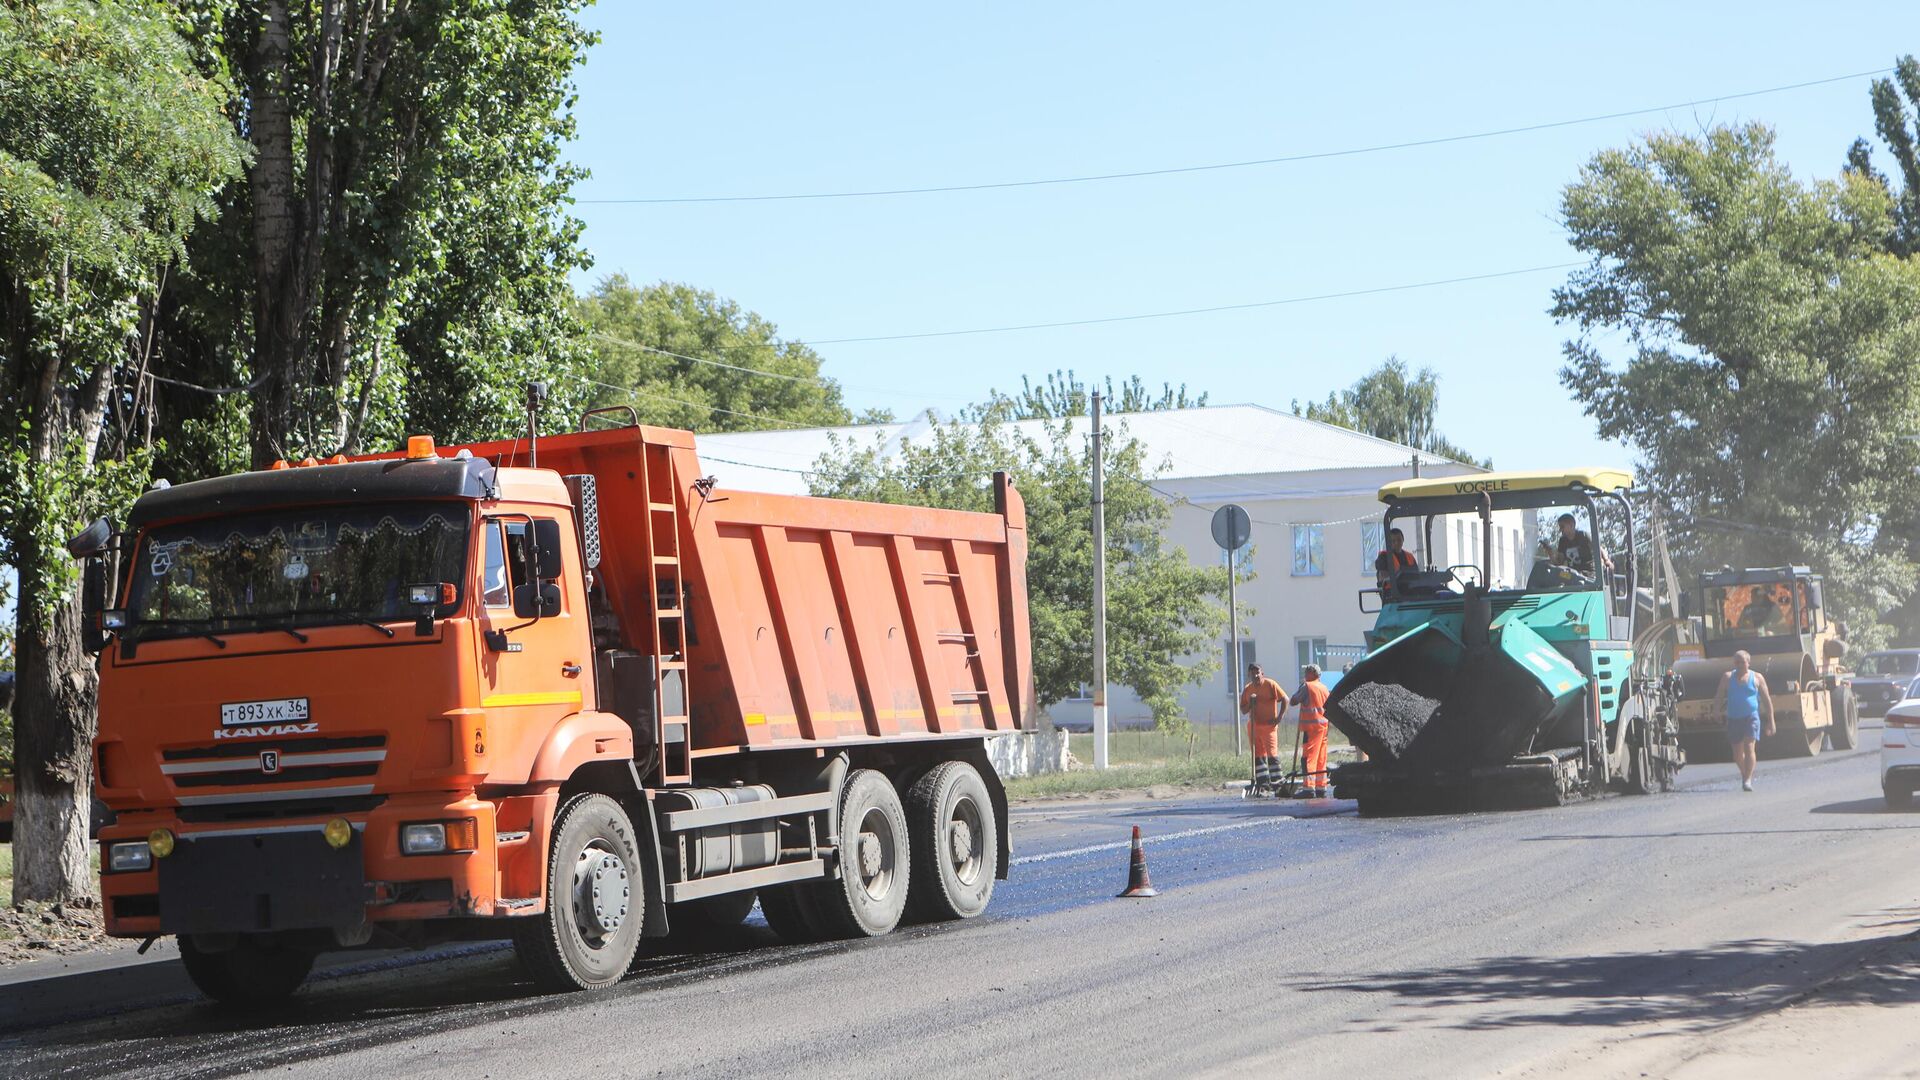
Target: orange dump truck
x=571, y=693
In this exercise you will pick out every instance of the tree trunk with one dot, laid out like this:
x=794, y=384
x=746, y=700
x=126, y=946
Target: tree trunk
x=280, y=295
x=54, y=724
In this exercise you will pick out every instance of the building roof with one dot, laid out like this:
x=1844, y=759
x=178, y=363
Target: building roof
x=1193, y=444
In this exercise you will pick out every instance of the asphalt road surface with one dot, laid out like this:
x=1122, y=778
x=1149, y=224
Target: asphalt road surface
x=1623, y=935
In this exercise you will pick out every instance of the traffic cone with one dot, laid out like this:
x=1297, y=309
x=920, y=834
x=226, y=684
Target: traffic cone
x=1138, y=884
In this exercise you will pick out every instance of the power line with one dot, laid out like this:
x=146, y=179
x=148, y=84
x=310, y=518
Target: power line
x=1198, y=311
x=631, y=392
x=1220, y=166
x=816, y=380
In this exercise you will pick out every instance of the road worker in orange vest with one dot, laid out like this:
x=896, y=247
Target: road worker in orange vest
x=1312, y=700
x=1264, y=703
x=1391, y=563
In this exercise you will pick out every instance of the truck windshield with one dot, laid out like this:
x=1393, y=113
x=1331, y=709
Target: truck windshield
x=295, y=567
x=1750, y=611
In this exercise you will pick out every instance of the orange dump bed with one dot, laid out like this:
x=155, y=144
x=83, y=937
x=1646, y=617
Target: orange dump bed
x=805, y=620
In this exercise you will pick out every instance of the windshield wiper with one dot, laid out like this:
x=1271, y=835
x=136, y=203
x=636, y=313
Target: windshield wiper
x=186, y=623
x=351, y=616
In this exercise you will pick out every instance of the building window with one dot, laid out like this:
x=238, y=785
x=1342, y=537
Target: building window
x=1236, y=674
x=1309, y=550
x=1310, y=650
x=1373, y=541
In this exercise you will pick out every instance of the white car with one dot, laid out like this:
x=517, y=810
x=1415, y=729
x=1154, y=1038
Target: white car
x=1900, y=753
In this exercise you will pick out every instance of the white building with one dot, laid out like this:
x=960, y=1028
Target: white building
x=1309, y=488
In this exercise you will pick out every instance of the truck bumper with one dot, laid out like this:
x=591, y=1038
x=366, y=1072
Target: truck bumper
x=280, y=875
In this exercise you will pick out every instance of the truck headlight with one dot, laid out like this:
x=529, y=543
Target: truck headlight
x=129, y=857
x=439, y=837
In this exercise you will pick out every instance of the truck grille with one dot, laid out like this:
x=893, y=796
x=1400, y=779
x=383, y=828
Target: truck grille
x=275, y=762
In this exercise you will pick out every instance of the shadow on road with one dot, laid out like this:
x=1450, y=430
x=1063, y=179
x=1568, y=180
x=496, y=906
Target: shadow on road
x=1693, y=987
x=1858, y=806
x=1857, y=829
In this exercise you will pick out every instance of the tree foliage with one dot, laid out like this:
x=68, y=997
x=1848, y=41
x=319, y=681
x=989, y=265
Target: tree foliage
x=1164, y=615
x=1899, y=129
x=1771, y=380
x=397, y=260
x=1393, y=403
x=1065, y=394
x=111, y=144
x=684, y=357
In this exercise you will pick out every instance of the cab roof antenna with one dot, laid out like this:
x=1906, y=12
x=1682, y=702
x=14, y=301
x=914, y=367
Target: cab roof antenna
x=536, y=393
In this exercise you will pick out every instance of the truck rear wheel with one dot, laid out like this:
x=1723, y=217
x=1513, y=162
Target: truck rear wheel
x=875, y=861
x=956, y=843
x=255, y=973
x=785, y=909
x=595, y=900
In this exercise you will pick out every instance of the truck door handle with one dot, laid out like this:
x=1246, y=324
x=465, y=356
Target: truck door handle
x=569, y=670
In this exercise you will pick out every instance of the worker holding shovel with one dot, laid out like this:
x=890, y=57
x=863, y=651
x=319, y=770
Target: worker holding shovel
x=1312, y=699
x=1264, y=703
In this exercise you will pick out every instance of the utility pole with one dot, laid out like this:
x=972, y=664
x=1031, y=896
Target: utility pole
x=1099, y=592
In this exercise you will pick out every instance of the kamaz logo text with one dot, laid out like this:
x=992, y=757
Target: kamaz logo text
x=266, y=729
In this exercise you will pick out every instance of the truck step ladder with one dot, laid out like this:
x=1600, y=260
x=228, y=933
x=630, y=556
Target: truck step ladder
x=674, y=735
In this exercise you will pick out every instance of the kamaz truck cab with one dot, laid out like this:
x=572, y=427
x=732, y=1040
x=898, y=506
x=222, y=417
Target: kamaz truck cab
x=1501, y=678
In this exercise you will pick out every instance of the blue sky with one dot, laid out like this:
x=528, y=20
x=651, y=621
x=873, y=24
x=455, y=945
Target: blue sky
x=734, y=99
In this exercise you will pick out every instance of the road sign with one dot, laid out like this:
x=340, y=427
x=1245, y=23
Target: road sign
x=1231, y=527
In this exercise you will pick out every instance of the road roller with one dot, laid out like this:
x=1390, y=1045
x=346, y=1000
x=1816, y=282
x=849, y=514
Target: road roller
x=1776, y=615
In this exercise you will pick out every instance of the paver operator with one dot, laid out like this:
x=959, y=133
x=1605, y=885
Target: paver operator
x=1264, y=703
x=1312, y=700
x=1392, y=562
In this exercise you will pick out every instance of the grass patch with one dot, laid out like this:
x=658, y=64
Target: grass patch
x=1204, y=771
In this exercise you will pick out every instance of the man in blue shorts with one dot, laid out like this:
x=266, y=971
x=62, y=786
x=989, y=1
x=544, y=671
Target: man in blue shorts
x=1748, y=707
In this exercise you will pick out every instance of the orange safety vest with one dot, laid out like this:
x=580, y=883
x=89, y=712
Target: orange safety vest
x=1402, y=561
x=1313, y=703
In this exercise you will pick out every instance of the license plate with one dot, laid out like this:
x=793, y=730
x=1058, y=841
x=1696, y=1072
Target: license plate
x=277, y=711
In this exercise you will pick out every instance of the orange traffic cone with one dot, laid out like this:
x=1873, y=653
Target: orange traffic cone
x=1138, y=884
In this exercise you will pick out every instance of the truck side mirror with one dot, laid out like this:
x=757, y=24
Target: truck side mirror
x=536, y=600
x=91, y=540
x=546, y=560
x=1813, y=595
x=93, y=606
x=1686, y=605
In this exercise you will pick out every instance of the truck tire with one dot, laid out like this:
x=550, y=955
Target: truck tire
x=875, y=863
x=785, y=907
x=1845, y=732
x=256, y=973
x=596, y=900
x=956, y=843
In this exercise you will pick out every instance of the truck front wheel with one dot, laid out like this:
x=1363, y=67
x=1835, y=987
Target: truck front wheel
x=256, y=972
x=595, y=900
x=956, y=843
x=871, y=893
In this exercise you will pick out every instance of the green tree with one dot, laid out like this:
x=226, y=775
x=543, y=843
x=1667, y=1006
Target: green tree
x=1164, y=615
x=1900, y=131
x=1392, y=403
x=1772, y=373
x=1064, y=394
x=110, y=145
x=397, y=260
x=684, y=357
